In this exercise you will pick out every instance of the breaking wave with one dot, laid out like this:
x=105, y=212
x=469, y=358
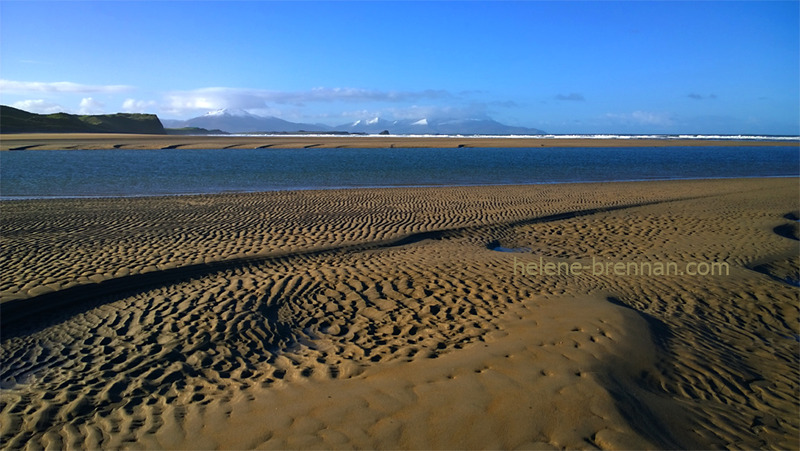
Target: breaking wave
x=786, y=138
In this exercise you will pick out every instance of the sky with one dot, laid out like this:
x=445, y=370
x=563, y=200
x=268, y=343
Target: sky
x=563, y=67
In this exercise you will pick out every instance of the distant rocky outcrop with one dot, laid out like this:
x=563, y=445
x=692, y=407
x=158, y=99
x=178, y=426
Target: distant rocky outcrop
x=13, y=120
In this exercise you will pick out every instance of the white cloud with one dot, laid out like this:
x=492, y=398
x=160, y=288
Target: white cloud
x=90, y=106
x=475, y=110
x=642, y=118
x=470, y=111
x=211, y=99
x=39, y=106
x=138, y=106
x=16, y=87
x=178, y=102
x=359, y=114
x=362, y=95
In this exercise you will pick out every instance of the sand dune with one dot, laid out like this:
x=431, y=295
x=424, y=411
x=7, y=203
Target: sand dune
x=384, y=319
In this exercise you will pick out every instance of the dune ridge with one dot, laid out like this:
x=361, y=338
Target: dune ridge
x=406, y=330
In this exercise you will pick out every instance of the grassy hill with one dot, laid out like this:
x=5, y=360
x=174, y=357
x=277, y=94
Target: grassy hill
x=13, y=120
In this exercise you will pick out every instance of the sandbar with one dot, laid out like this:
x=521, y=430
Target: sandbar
x=88, y=141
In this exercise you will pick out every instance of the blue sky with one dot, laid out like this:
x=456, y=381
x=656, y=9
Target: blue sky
x=563, y=67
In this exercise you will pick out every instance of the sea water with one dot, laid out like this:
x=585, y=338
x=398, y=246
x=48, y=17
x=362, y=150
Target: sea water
x=93, y=173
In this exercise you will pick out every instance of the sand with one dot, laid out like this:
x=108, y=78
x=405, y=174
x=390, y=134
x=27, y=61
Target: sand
x=91, y=141
x=388, y=318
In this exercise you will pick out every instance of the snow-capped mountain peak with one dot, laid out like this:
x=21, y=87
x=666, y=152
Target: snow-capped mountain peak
x=235, y=112
x=427, y=125
x=240, y=121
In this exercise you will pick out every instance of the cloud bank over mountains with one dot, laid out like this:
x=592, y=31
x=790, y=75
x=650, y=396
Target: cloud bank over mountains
x=180, y=103
x=332, y=106
x=241, y=121
x=324, y=108
x=188, y=103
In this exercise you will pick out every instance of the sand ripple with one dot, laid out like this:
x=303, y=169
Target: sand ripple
x=381, y=319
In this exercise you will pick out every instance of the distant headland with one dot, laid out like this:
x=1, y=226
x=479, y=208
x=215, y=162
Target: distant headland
x=13, y=120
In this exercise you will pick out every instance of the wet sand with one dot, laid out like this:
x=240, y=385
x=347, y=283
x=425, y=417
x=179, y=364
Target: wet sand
x=388, y=318
x=58, y=141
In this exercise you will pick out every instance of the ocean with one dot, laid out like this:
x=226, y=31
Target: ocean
x=111, y=173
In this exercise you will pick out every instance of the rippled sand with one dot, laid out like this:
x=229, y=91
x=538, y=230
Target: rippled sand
x=383, y=318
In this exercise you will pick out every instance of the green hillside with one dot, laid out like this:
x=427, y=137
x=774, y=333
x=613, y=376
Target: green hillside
x=13, y=120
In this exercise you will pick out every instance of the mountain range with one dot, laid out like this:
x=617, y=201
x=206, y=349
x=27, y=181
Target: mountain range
x=13, y=120
x=240, y=121
x=427, y=126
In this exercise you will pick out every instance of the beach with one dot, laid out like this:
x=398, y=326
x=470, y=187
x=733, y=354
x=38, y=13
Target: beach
x=99, y=141
x=635, y=315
